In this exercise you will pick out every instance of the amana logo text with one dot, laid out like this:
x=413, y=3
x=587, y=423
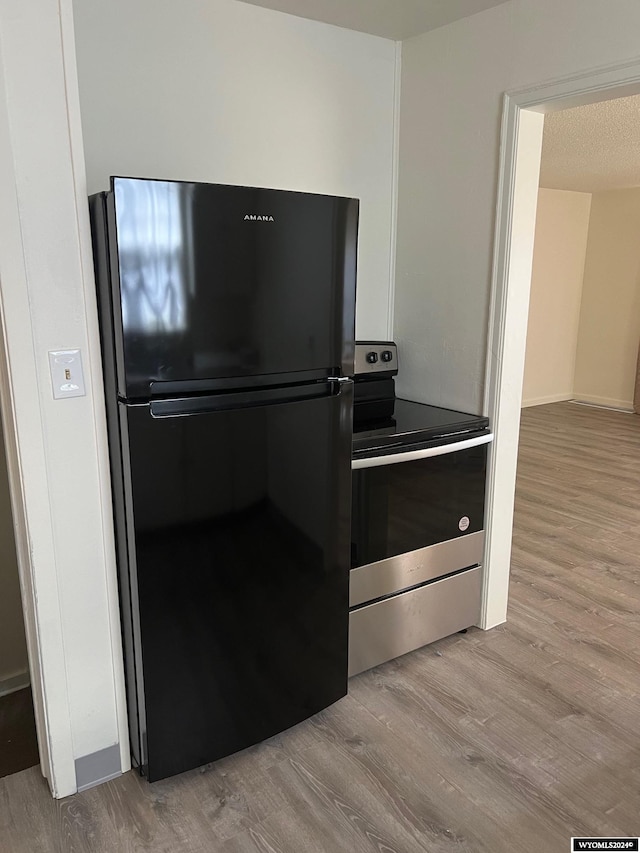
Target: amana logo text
x=254, y=218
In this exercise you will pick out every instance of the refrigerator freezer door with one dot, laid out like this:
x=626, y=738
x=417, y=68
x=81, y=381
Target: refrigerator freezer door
x=238, y=558
x=220, y=282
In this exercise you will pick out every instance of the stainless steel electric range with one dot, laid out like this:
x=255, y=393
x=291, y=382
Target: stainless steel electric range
x=417, y=535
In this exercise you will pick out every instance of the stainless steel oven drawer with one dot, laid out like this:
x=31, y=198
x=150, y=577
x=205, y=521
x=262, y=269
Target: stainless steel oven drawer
x=415, y=567
x=394, y=626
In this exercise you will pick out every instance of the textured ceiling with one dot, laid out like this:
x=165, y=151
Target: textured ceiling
x=394, y=19
x=592, y=148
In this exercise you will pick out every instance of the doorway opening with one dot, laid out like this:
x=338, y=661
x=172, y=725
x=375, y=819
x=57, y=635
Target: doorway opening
x=18, y=739
x=577, y=505
x=584, y=309
x=520, y=158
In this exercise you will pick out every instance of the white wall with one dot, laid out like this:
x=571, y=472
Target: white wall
x=58, y=461
x=562, y=225
x=13, y=646
x=222, y=91
x=452, y=84
x=609, y=333
x=584, y=311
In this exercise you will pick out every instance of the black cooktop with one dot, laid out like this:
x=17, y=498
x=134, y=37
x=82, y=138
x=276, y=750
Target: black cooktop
x=417, y=423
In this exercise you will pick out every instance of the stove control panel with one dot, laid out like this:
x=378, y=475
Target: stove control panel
x=376, y=357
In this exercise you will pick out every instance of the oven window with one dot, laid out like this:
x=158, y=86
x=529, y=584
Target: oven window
x=409, y=505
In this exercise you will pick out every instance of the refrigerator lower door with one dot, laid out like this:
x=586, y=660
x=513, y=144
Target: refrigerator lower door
x=237, y=527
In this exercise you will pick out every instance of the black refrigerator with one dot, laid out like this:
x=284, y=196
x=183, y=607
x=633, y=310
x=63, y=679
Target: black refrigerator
x=227, y=328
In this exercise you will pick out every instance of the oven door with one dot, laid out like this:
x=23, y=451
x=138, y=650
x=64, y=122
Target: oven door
x=407, y=501
x=416, y=548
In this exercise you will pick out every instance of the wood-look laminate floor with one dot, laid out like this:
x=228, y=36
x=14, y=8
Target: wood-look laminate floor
x=508, y=741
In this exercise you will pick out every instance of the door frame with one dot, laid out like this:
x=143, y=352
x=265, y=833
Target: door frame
x=63, y=524
x=28, y=486
x=519, y=167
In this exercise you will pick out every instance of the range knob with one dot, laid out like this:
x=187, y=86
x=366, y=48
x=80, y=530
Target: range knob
x=386, y=355
x=372, y=357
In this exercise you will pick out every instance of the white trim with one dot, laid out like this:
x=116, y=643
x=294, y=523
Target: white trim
x=604, y=402
x=38, y=56
x=550, y=398
x=509, y=308
x=588, y=87
x=15, y=683
x=28, y=484
x=395, y=160
x=423, y=453
x=513, y=260
x=95, y=370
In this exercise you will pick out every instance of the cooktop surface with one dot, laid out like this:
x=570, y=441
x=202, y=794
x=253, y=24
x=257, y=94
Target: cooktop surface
x=417, y=423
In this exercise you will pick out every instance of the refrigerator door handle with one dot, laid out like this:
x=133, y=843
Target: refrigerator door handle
x=341, y=384
x=184, y=406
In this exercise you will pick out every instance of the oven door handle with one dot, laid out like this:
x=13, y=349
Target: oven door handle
x=425, y=453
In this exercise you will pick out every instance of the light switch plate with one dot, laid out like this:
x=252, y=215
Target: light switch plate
x=66, y=373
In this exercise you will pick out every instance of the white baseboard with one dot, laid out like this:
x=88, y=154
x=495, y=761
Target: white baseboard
x=16, y=682
x=551, y=398
x=604, y=402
